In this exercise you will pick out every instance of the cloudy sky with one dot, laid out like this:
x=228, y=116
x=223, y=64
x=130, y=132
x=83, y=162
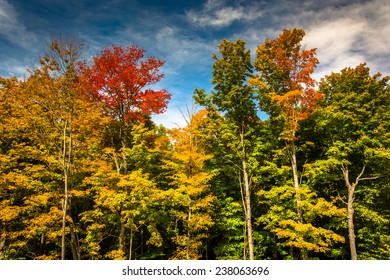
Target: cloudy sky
x=185, y=33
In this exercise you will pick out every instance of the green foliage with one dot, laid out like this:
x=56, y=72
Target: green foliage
x=230, y=225
x=134, y=190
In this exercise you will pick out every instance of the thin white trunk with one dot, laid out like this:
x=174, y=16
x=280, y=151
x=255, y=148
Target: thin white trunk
x=188, y=233
x=122, y=235
x=247, y=197
x=297, y=186
x=66, y=158
x=350, y=211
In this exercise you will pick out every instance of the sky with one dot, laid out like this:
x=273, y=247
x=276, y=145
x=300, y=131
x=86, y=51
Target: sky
x=185, y=33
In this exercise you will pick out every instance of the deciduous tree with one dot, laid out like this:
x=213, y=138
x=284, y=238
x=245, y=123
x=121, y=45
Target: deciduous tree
x=234, y=97
x=122, y=80
x=191, y=196
x=284, y=78
x=353, y=121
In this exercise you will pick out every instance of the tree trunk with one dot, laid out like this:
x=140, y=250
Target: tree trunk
x=2, y=245
x=41, y=244
x=351, y=228
x=297, y=186
x=247, y=190
x=350, y=211
x=124, y=158
x=66, y=160
x=64, y=207
x=122, y=230
x=131, y=244
x=74, y=243
x=244, y=251
x=122, y=236
x=188, y=233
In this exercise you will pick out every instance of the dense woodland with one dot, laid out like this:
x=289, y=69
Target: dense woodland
x=86, y=174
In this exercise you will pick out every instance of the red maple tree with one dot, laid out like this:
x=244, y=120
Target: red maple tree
x=122, y=79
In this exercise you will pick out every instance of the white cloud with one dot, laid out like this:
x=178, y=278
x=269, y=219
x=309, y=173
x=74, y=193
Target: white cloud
x=376, y=35
x=216, y=13
x=345, y=33
x=335, y=42
x=183, y=50
x=348, y=36
x=172, y=43
x=172, y=118
x=10, y=67
x=11, y=28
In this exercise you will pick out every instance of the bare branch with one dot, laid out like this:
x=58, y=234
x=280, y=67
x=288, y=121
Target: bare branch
x=303, y=172
x=358, y=178
x=250, y=181
x=372, y=178
x=342, y=200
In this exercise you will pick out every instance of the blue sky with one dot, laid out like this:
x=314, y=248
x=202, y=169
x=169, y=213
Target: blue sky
x=185, y=33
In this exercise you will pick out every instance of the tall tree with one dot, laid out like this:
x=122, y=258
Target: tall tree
x=121, y=79
x=57, y=77
x=56, y=123
x=353, y=122
x=234, y=97
x=288, y=91
x=191, y=196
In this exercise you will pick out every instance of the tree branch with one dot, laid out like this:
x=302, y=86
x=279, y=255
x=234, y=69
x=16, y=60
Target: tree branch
x=358, y=178
x=342, y=200
x=372, y=178
x=303, y=171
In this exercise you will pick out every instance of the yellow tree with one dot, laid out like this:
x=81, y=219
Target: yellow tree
x=190, y=195
x=129, y=202
x=52, y=89
x=13, y=181
x=63, y=123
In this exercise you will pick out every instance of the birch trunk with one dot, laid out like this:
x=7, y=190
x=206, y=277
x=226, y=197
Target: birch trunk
x=131, y=244
x=64, y=207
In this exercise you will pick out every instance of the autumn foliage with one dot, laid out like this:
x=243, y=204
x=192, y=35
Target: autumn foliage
x=85, y=173
x=286, y=68
x=122, y=79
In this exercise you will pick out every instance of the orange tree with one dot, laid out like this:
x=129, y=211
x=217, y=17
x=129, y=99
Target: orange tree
x=287, y=94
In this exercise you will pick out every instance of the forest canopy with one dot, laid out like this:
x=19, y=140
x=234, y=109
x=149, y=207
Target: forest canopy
x=85, y=173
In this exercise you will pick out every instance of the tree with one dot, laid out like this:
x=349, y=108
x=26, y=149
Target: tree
x=190, y=194
x=234, y=97
x=121, y=79
x=52, y=89
x=16, y=152
x=288, y=90
x=353, y=122
x=132, y=202
x=64, y=122
x=54, y=125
